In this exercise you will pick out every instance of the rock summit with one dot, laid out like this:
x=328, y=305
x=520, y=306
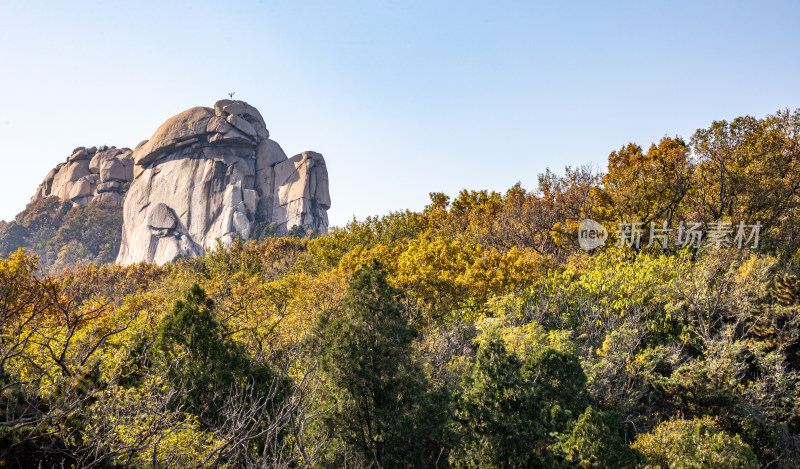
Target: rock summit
x=206, y=174
x=209, y=174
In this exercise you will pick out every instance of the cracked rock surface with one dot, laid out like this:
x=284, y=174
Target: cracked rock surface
x=209, y=174
x=88, y=175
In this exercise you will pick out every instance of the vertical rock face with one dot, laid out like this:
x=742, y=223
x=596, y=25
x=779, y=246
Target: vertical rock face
x=89, y=174
x=209, y=174
x=301, y=195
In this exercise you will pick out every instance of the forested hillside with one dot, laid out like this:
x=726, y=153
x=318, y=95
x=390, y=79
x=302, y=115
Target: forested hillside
x=475, y=333
x=63, y=234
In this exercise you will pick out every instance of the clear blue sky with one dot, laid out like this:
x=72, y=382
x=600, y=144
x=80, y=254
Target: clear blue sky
x=402, y=98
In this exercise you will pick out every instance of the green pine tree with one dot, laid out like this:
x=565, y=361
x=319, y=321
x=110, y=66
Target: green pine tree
x=198, y=356
x=595, y=443
x=378, y=401
x=559, y=383
x=497, y=417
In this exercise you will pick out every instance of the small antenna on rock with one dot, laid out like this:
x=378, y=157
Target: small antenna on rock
x=231, y=94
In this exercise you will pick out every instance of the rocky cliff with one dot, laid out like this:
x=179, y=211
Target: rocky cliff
x=88, y=175
x=209, y=174
x=205, y=174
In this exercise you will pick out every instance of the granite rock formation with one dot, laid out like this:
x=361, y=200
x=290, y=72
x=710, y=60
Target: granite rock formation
x=88, y=175
x=209, y=174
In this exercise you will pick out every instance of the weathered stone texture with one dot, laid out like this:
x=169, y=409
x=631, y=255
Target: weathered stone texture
x=211, y=174
x=87, y=174
x=205, y=175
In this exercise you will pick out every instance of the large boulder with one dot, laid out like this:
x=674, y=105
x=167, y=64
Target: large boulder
x=207, y=176
x=80, y=179
x=180, y=130
x=301, y=192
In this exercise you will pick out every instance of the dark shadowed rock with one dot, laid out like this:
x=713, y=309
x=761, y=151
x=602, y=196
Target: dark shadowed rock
x=162, y=217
